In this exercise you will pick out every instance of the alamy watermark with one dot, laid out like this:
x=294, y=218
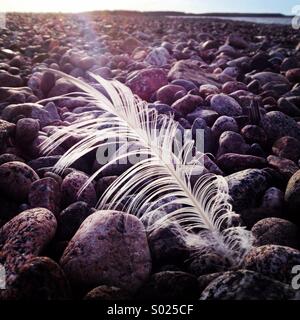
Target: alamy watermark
x=2, y=277
x=296, y=278
x=187, y=148
x=2, y=20
x=296, y=18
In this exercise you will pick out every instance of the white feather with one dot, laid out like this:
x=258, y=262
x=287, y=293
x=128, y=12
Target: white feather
x=163, y=174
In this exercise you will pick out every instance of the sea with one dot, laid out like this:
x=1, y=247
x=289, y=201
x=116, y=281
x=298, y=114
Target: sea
x=264, y=20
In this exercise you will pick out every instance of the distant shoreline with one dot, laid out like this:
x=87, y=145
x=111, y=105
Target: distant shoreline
x=173, y=13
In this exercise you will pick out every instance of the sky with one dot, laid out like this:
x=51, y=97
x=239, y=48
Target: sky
x=195, y=6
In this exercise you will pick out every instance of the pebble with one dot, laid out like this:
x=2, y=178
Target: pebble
x=284, y=166
x=225, y=105
x=45, y=193
x=109, y=248
x=27, y=130
x=224, y=123
x=39, y=279
x=232, y=142
x=15, y=180
x=72, y=184
x=246, y=187
x=187, y=104
x=277, y=125
x=292, y=192
x=71, y=218
x=246, y=285
x=232, y=162
x=145, y=82
x=273, y=261
x=107, y=293
x=276, y=231
x=166, y=94
x=287, y=147
x=24, y=237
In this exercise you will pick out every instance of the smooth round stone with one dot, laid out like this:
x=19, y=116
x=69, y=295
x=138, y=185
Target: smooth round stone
x=254, y=134
x=246, y=285
x=47, y=82
x=71, y=218
x=109, y=248
x=170, y=285
x=168, y=245
x=224, y=123
x=167, y=93
x=277, y=125
x=187, y=104
x=15, y=180
x=273, y=199
x=288, y=107
x=158, y=57
x=188, y=85
x=232, y=86
x=266, y=77
x=145, y=82
x=232, y=142
x=106, y=293
x=40, y=278
x=289, y=63
x=9, y=157
x=287, y=147
x=292, y=193
x=208, y=89
x=285, y=166
x=293, y=75
x=276, y=231
x=225, y=105
x=71, y=186
x=273, y=261
x=9, y=80
x=27, y=130
x=24, y=237
x=232, y=162
x=237, y=41
x=45, y=193
x=246, y=187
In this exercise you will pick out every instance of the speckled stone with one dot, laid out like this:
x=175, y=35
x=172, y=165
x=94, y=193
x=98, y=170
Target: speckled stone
x=292, y=193
x=285, y=166
x=15, y=180
x=40, y=278
x=224, y=123
x=167, y=245
x=106, y=293
x=246, y=285
x=254, y=134
x=170, y=285
x=273, y=261
x=71, y=218
x=245, y=187
x=232, y=142
x=276, y=231
x=277, y=124
x=232, y=162
x=109, y=248
x=226, y=105
x=9, y=157
x=45, y=193
x=206, y=263
x=287, y=147
x=27, y=130
x=206, y=279
x=71, y=185
x=24, y=237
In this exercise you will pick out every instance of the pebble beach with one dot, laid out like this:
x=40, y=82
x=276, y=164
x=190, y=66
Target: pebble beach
x=239, y=82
